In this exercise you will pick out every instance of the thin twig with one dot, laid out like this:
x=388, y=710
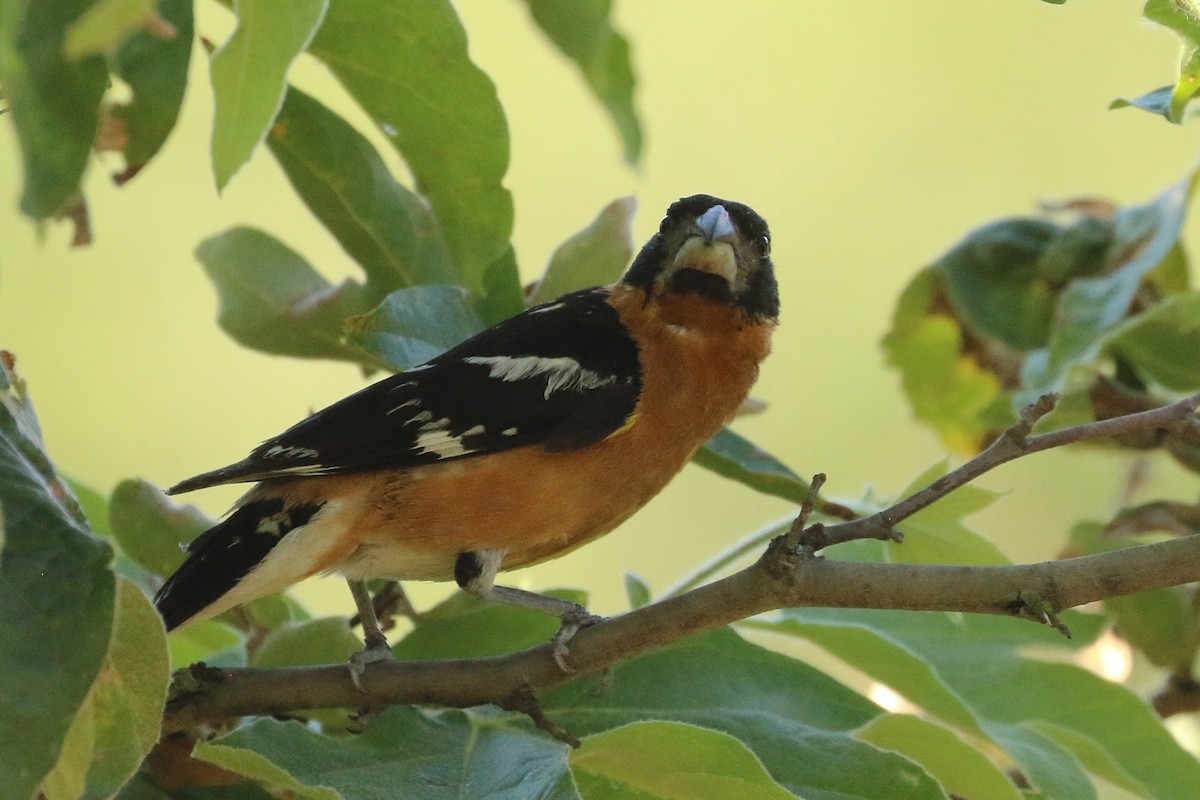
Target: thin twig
x=1012, y=444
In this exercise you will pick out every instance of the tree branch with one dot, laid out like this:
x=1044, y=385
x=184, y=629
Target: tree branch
x=784, y=576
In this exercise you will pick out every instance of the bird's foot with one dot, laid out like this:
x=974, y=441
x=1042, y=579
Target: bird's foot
x=372, y=653
x=572, y=622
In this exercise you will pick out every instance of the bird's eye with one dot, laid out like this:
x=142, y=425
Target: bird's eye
x=763, y=243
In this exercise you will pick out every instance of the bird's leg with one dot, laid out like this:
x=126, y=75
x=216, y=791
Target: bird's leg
x=375, y=643
x=475, y=572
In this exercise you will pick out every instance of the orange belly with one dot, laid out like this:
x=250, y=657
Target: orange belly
x=411, y=524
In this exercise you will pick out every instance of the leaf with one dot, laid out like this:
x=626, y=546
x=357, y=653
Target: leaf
x=413, y=325
x=1090, y=308
x=463, y=626
x=142, y=787
x=56, y=597
x=257, y=767
x=1163, y=344
x=249, y=75
x=150, y=528
x=637, y=592
x=123, y=710
x=1003, y=278
x=1158, y=622
x=156, y=71
x=327, y=640
x=670, y=760
x=969, y=671
x=387, y=229
x=1182, y=19
x=732, y=456
x=936, y=534
x=946, y=387
x=105, y=25
x=595, y=256
x=583, y=32
x=796, y=720
x=442, y=114
x=962, y=769
x=272, y=300
x=993, y=284
x=426, y=756
x=1157, y=101
x=54, y=102
x=211, y=641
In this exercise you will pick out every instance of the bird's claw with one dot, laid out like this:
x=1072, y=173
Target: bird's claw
x=371, y=654
x=572, y=623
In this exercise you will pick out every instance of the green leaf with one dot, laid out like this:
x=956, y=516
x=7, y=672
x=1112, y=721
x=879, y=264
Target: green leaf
x=796, y=720
x=947, y=387
x=463, y=626
x=955, y=664
x=257, y=767
x=387, y=229
x=1158, y=622
x=1092, y=757
x=1163, y=344
x=1171, y=275
x=1157, y=101
x=673, y=761
x=637, y=591
x=211, y=641
x=143, y=787
x=413, y=325
x=150, y=528
x=1002, y=278
x=94, y=508
x=1183, y=20
x=123, y=710
x=425, y=756
x=327, y=640
x=54, y=102
x=584, y=33
x=962, y=769
x=936, y=534
x=103, y=26
x=594, y=256
x=56, y=597
x=156, y=71
x=272, y=300
x=1090, y=308
x=414, y=77
x=732, y=456
x=249, y=75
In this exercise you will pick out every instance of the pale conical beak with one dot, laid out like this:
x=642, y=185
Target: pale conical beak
x=713, y=225
x=709, y=246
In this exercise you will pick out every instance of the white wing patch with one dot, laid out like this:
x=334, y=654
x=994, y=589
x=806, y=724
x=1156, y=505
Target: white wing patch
x=561, y=373
x=279, y=451
x=435, y=438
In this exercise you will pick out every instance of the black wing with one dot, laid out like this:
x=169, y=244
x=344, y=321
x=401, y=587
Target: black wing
x=562, y=375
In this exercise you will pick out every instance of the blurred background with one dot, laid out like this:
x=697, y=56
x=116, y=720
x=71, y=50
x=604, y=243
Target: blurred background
x=870, y=137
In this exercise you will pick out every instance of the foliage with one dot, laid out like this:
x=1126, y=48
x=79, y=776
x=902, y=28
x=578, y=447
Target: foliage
x=1090, y=300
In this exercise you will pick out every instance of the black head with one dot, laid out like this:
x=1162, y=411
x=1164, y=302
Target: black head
x=716, y=248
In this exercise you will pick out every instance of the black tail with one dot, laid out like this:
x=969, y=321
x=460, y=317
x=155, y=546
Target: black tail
x=226, y=553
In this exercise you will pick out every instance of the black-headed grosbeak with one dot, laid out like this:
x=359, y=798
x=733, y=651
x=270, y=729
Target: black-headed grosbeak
x=520, y=444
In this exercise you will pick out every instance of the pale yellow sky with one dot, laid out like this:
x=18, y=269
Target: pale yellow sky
x=870, y=136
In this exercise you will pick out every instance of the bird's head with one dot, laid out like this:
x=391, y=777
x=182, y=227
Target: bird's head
x=718, y=249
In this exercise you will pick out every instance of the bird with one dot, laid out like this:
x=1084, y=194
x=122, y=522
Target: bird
x=522, y=443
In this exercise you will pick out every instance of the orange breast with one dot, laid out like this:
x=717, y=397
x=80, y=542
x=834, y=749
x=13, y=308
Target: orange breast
x=699, y=361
